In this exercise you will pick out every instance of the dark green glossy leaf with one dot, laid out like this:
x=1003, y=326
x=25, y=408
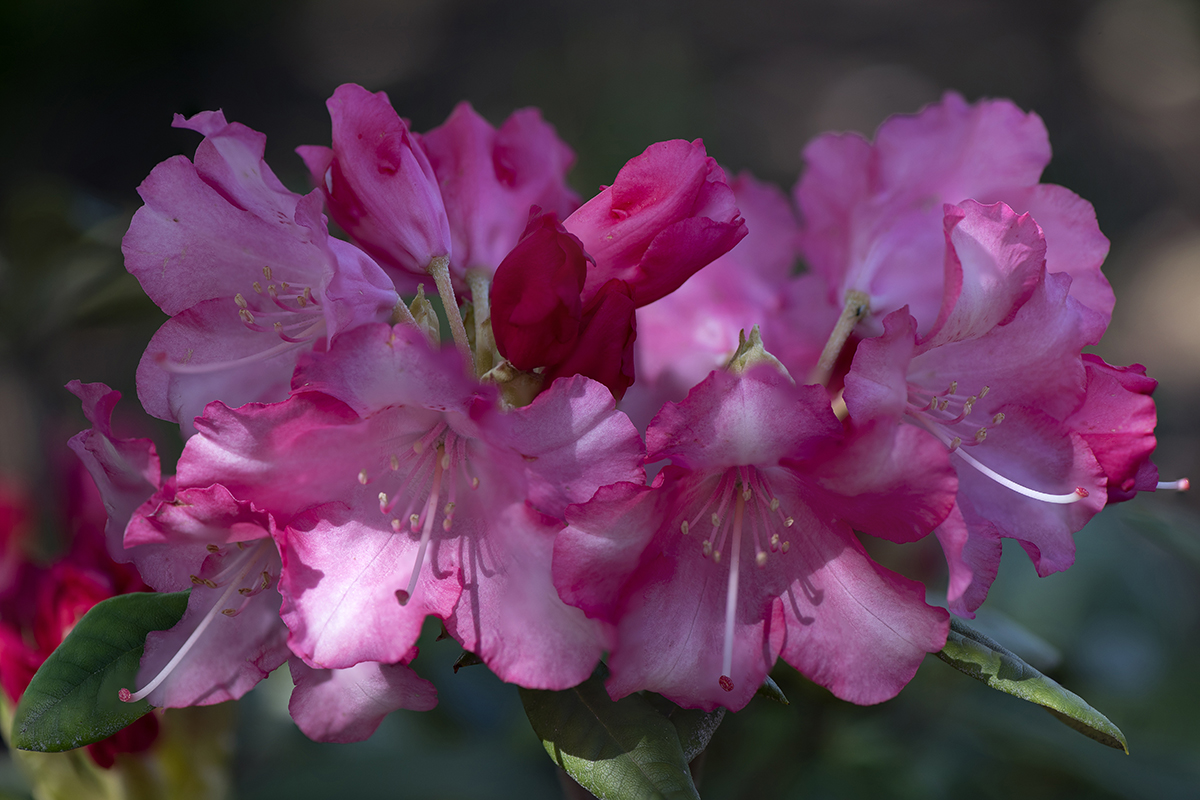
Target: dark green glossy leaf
x=623, y=750
x=971, y=652
x=72, y=700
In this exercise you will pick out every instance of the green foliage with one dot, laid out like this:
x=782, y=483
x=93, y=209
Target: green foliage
x=72, y=700
x=636, y=748
x=971, y=652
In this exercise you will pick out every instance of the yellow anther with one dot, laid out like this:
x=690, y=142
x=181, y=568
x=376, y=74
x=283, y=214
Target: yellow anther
x=363, y=477
x=241, y=301
x=996, y=420
x=716, y=521
x=683, y=527
x=760, y=559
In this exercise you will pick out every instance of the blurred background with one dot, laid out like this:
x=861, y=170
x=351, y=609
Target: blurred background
x=88, y=92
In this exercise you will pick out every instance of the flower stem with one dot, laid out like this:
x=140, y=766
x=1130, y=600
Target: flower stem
x=857, y=305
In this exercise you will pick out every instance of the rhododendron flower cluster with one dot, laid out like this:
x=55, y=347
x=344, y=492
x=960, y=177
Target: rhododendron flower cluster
x=652, y=440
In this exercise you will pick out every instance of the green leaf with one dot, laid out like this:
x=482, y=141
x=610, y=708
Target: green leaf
x=694, y=727
x=969, y=651
x=72, y=700
x=623, y=750
x=770, y=690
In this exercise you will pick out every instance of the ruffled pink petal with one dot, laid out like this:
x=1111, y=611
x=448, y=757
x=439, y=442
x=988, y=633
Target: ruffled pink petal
x=230, y=639
x=955, y=150
x=509, y=613
x=489, y=178
x=757, y=418
x=126, y=471
x=380, y=186
x=377, y=366
x=205, y=353
x=852, y=626
x=572, y=441
x=602, y=545
x=1074, y=243
x=1117, y=421
x=347, y=705
x=972, y=559
x=994, y=262
x=340, y=582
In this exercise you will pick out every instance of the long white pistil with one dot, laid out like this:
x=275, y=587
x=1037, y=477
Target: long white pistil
x=731, y=592
x=431, y=507
x=1062, y=499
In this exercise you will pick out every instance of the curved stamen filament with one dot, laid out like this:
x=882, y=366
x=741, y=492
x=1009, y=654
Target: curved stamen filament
x=218, y=607
x=182, y=368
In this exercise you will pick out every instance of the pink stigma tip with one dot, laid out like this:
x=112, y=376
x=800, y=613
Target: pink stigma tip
x=402, y=597
x=1184, y=484
x=125, y=696
x=726, y=683
x=1082, y=492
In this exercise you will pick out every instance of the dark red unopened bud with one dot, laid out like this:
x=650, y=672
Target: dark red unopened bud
x=604, y=349
x=535, y=299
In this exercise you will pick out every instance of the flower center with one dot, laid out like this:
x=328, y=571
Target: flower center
x=428, y=469
x=743, y=502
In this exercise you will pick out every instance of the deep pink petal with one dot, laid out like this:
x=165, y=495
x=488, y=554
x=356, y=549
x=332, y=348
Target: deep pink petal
x=380, y=186
x=994, y=262
x=1117, y=421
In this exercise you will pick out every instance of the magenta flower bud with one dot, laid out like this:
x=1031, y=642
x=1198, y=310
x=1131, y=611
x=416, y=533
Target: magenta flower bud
x=378, y=182
x=535, y=299
x=669, y=213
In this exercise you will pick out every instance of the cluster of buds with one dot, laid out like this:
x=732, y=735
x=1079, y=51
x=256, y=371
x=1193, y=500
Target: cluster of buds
x=652, y=437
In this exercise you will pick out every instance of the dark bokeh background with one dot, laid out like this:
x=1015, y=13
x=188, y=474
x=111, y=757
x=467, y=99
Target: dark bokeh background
x=88, y=90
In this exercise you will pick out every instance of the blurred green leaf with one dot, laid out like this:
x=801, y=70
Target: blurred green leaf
x=695, y=727
x=72, y=700
x=623, y=750
x=971, y=652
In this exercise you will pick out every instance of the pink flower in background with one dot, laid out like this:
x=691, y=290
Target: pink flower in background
x=490, y=178
x=247, y=271
x=743, y=549
x=873, y=212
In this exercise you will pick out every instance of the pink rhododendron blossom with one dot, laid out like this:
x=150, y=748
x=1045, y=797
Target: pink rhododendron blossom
x=998, y=381
x=668, y=213
x=743, y=550
x=247, y=271
x=379, y=183
x=873, y=212
x=432, y=503
x=489, y=178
